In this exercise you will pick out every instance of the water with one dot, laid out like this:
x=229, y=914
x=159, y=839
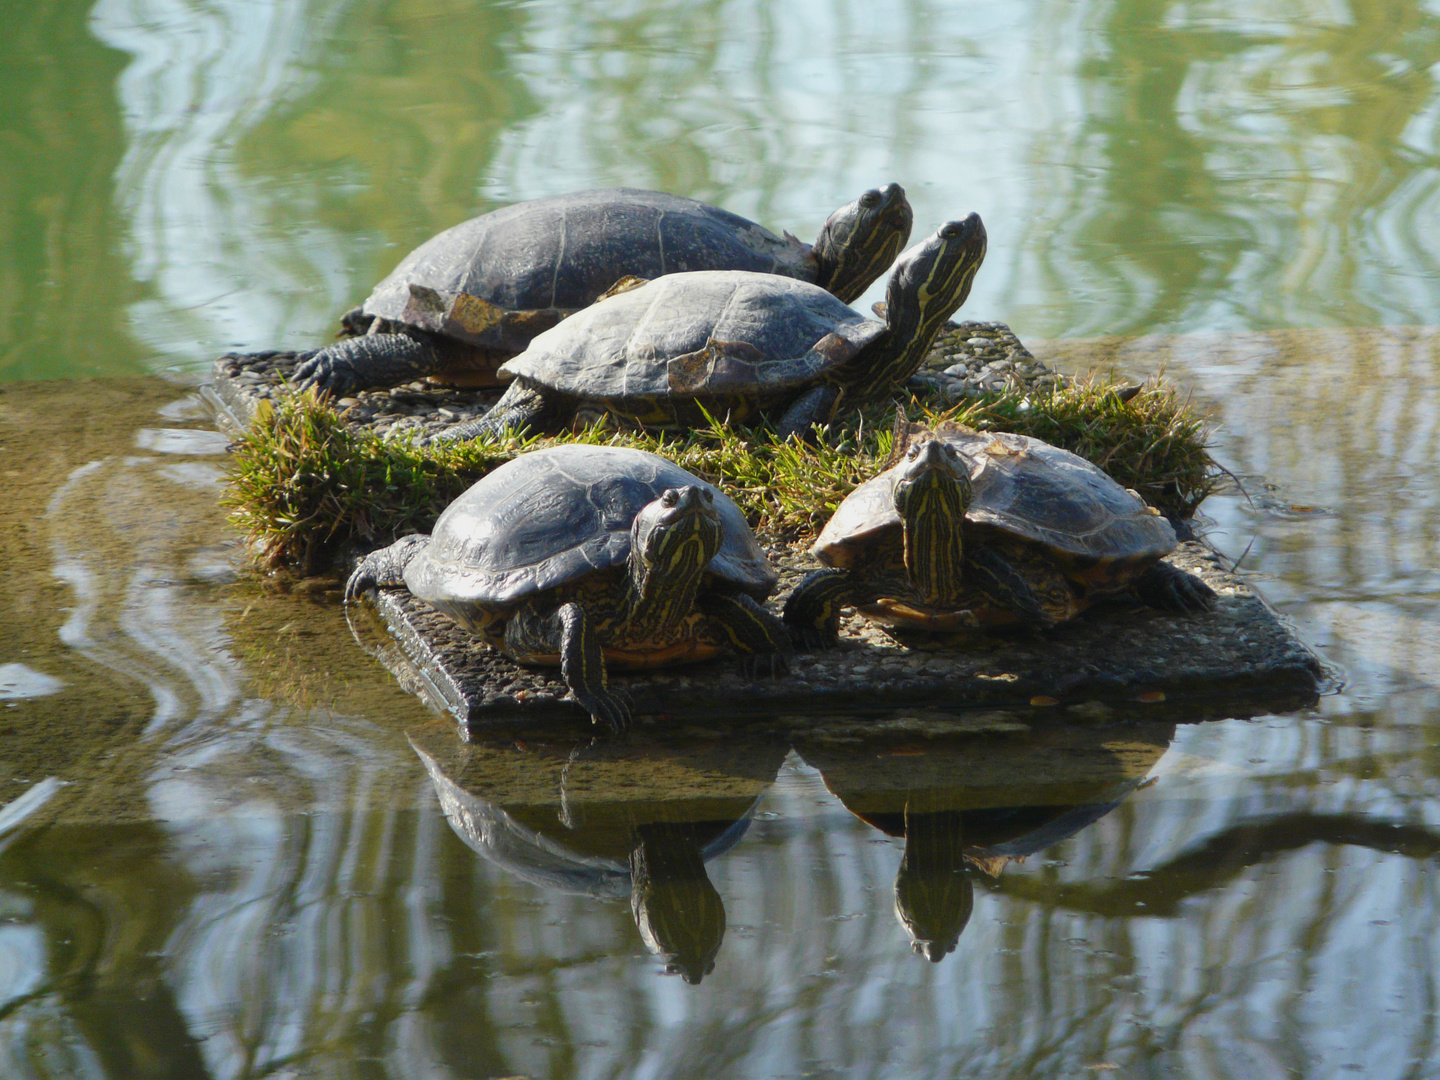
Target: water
x=224, y=842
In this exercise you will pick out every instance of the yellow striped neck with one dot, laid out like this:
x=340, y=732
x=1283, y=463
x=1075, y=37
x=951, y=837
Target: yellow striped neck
x=932, y=492
x=934, y=551
x=663, y=585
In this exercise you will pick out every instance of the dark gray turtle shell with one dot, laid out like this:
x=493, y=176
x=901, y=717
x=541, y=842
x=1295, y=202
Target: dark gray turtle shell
x=552, y=516
x=1025, y=488
x=500, y=278
x=591, y=862
x=717, y=332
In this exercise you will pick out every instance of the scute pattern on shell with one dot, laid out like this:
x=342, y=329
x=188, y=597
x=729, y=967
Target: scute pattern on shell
x=552, y=516
x=715, y=333
x=555, y=255
x=1060, y=500
x=1027, y=489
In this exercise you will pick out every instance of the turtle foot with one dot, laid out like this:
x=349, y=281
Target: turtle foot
x=326, y=374
x=812, y=611
x=813, y=638
x=775, y=665
x=607, y=707
x=1169, y=588
x=384, y=567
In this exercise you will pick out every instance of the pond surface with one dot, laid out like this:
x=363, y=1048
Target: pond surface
x=232, y=846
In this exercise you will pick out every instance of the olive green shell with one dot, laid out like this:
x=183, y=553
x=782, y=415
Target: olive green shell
x=717, y=334
x=1023, y=489
x=553, y=516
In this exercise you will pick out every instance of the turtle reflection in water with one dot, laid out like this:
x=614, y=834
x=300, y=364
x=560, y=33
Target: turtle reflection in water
x=640, y=818
x=977, y=529
x=585, y=556
x=477, y=293
x=978, y=804
x=728, y=344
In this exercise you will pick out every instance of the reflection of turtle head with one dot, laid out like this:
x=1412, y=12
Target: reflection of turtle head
x=677, y=910
x=934, y=894
x=606, y=820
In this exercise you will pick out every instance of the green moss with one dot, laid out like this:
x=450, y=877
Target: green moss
x=304, y=485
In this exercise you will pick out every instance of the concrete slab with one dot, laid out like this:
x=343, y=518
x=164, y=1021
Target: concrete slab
x=1238, y=660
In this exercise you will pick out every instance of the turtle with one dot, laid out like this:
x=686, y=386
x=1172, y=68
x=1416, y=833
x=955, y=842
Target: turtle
x=968, y=803
x=638, y=818
x=668, y=353
x=582, y=556
x=478, y=292
x=972, y=530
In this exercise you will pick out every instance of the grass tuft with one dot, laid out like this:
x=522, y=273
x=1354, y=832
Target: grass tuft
x=302, y=483
x=304, y=486
x=1146, y=438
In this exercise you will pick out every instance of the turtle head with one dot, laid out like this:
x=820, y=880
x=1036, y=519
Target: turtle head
x=932, y=492
x=672, y=540
x=677, y=909
x=934, y=892
x=927, y=285
x=933, y=278
x=859, y=241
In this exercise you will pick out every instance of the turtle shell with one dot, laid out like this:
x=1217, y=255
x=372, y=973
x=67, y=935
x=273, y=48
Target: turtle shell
x=717, y=333
x=552, y=516
x=1023, y=489
x=500, y=278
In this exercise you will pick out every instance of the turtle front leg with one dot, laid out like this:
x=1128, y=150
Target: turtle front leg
x=812, y=611
x=356, y=363
x=751, y=630
x=815, y=406
x=1169, y=588
x=570, y=633
x=385, y=566
x=523, y=406
x=993, y=575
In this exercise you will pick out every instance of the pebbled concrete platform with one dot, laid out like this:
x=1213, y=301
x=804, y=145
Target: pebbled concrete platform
x=1237, y=660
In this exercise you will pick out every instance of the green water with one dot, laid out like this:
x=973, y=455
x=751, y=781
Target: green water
x=232, y=846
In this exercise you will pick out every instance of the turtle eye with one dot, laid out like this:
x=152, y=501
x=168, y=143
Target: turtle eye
x=670, y=498
x=870, y=200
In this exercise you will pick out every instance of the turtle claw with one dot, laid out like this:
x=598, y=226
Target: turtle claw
x=1169, y=588
x=360, y=581
x=324, y=373
x=775, y=665
x=813, y=638
x=611, y=708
